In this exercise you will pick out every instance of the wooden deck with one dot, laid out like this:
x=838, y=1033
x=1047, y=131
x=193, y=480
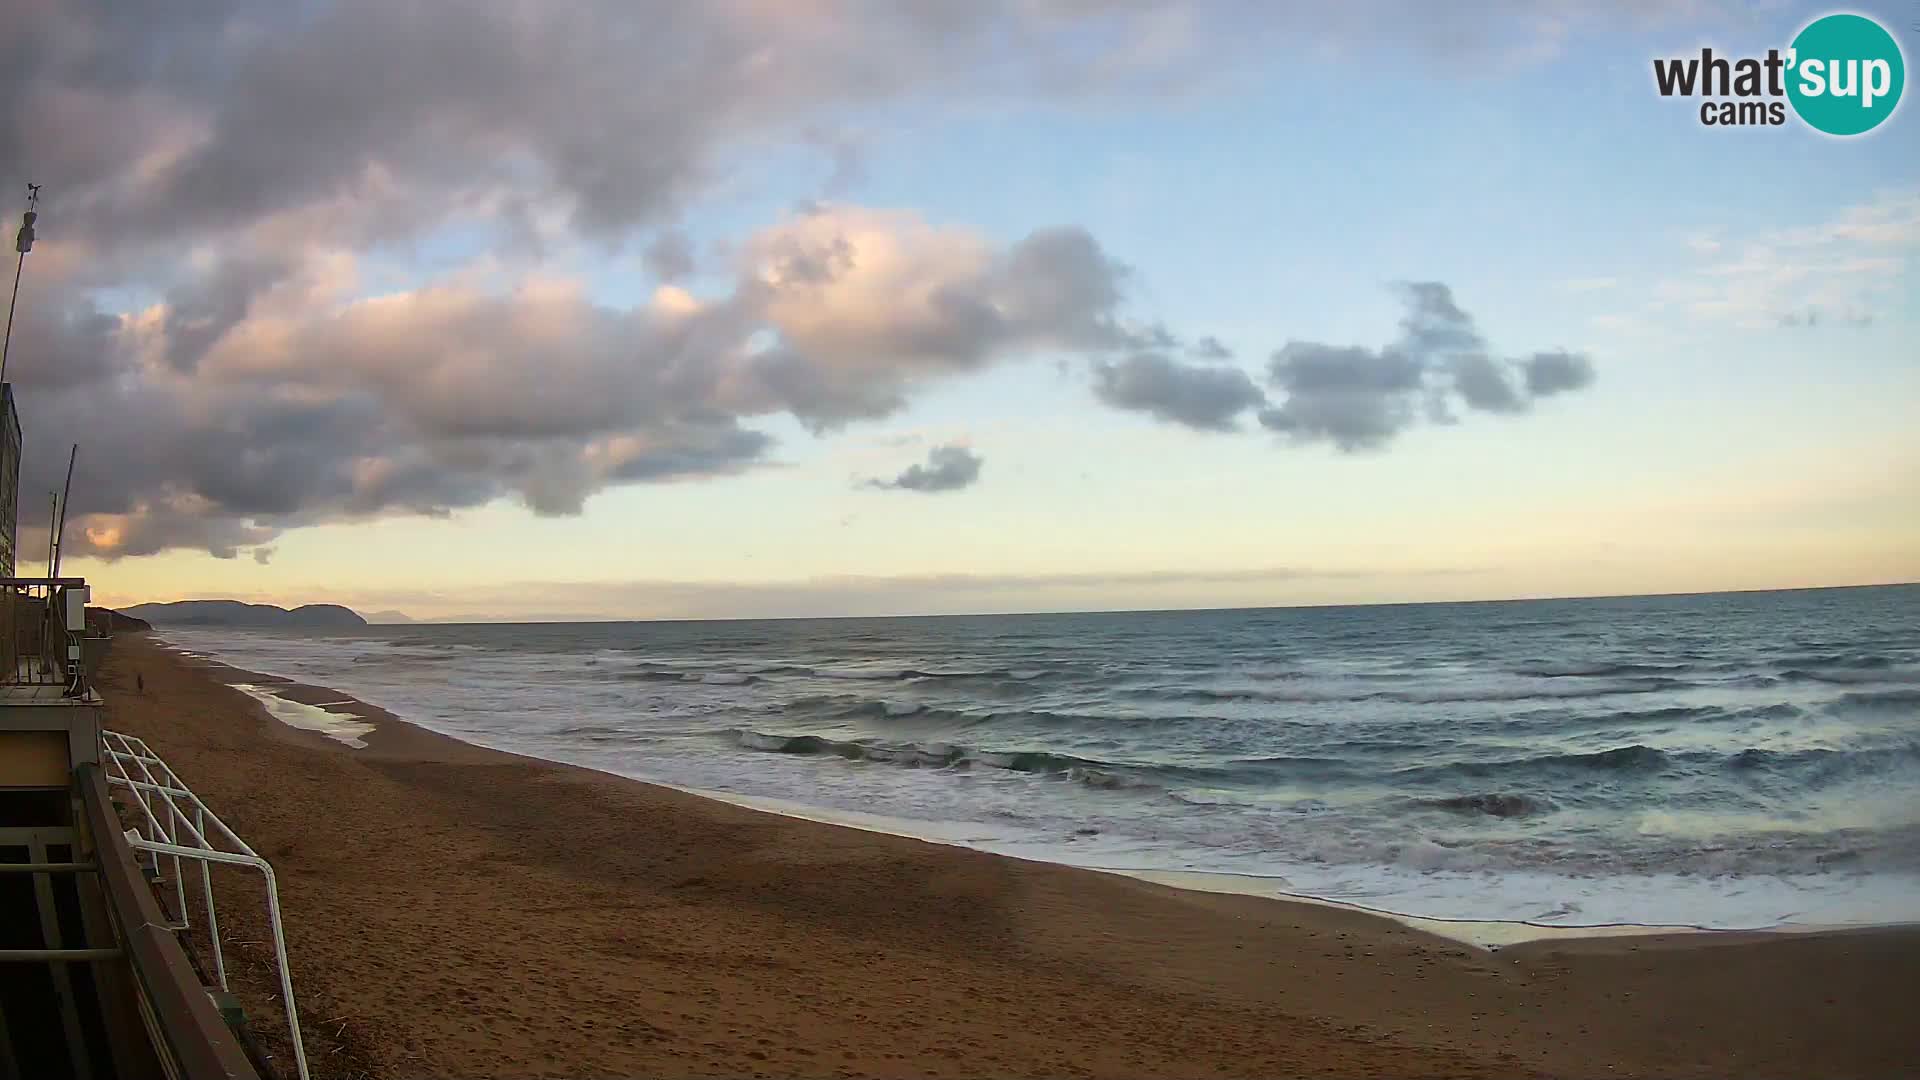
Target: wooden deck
x=43, y=695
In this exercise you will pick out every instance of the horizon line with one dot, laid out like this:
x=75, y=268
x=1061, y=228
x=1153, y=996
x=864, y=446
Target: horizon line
x=410, y=621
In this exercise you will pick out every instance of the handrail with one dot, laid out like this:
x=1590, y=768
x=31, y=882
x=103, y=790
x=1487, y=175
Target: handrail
x=172, y=840
x=181, y=1017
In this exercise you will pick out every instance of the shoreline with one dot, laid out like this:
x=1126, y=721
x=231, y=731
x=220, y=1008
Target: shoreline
x=456, y=910
x=345, y=718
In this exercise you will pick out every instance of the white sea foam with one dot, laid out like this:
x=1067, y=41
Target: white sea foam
x=343, y=727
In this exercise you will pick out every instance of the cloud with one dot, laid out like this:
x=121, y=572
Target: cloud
x=845, y=152
x=669, y=256
x=1552, y=373
x=948, y=468
x=1703, y=242
x=869, y=304
x=1813, y=316
x=1205, y=397
x=1483, y=383
x=1210, y=348
x=603, y=116
x=1848, y=268
x=232, y=304
x=1359, y=398
x=1351, y=396
x=217, y=425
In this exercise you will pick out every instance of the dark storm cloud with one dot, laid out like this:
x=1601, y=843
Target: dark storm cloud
x=1358, y=398
x=947, y=468
x=203, y=115
x=1206, y=397
x=207, y=115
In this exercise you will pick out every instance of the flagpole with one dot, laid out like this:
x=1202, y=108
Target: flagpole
x=22, y=243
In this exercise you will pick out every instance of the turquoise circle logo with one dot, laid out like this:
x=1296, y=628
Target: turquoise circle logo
x=1846, y=74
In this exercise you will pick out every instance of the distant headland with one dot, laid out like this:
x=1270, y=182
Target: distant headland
x=235, y=613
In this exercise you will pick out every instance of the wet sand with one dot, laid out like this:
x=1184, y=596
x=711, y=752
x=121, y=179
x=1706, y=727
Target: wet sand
x=460, y=912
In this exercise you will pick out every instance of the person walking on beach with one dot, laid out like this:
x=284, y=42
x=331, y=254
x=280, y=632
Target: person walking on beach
x=139, y=682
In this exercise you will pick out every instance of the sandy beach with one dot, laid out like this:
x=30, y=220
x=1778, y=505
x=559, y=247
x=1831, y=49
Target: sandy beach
x=459, y=912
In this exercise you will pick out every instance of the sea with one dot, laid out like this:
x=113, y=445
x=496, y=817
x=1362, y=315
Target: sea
x=1735, y=760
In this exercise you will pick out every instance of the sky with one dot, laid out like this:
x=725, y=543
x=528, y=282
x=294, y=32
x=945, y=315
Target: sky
x=829, y=307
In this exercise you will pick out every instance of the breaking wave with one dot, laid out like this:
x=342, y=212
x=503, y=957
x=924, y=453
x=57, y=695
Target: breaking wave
x=1493, y=804
x=1093, y=773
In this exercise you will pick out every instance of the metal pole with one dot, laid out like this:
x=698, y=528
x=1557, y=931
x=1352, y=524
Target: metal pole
x=60, y=525
x=53, y=512
x=206, y=890
x=19, y=267
x=23, y=244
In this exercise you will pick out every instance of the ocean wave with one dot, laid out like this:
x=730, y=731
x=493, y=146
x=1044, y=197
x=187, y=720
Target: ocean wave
x=1088, y=771
x=1636, y=757
x=910, y=674
x=775, y=669
x=860, y=707
x=1539, y=772
x=1869, y=699
x=1821, y=763
x=1492, y=804
x=652, y=675
x=597, y=733
x=1851, y=676
x=1598, y=669
x=856, y=707
x=1847, y=661
x=1286, y=765
x=711, y=678
x=756, y=671
x=1436, y=696
x=1530, y=693
x=1208, y=695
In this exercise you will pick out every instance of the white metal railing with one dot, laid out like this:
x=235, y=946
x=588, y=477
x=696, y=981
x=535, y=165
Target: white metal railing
x=182, y=833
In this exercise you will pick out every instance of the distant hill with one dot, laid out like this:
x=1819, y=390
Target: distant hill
x=388, y=617
x=235, y=613
x=110, y=622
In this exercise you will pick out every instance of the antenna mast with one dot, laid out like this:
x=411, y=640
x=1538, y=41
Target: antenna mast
x=60, y=520
x=53, y=511
x=22, y=243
